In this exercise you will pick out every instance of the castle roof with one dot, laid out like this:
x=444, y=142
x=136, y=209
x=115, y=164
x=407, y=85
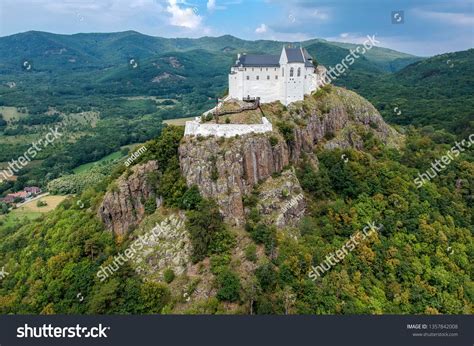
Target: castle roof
x=294, y=55
x=258, y=60
x=299, y=55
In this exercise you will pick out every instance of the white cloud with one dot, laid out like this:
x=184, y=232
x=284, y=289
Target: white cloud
x=352, y=37
x=185, y=17
x=262, y=29
x=319, y=14
x=268, y=33
x=451, y=18
x=211, y=5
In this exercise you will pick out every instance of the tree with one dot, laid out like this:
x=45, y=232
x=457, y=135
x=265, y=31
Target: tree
x=150, y=205
x=250, y=292
x=191, y=198
x=155, y=296
x=203, y=225
x=266, y=276
x=228, y=284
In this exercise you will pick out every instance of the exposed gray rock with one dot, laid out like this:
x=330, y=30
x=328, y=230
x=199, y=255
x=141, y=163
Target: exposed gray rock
x=123, y=206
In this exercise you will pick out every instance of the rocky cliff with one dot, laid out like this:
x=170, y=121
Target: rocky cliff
x=228, y=169
x=123, y=206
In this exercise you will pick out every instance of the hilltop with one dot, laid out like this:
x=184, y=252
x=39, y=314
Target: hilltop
x=234, y=225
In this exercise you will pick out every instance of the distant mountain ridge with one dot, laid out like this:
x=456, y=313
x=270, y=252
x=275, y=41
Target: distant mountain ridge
x=108, y=49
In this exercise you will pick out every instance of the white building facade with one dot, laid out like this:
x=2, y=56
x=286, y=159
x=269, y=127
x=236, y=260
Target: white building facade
x=286, y=77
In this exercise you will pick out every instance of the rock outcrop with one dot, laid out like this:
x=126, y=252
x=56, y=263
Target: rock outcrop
x=281, y=201
x=165, y=246
x=227, y=169
x=123, y=206
x=336, y=120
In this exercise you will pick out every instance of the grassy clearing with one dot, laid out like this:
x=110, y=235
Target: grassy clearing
x=178, y=122
x=11, y=113
x=30, y=209
x=111, y=157
x=83, y=118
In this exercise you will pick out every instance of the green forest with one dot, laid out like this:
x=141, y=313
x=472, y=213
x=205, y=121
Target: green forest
x=418, y=262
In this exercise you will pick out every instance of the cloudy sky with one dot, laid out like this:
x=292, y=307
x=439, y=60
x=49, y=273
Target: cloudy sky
x=421, y=27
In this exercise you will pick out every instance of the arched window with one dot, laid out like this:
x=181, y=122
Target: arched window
x=299, y=71
x=283, y=72
x=292, y=70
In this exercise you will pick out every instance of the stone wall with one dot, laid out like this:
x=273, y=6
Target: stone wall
x=196, y=128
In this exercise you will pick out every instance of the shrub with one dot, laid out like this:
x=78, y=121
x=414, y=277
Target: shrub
x=214, y=172
x=227, y=120
x=41, y=203
x=169, y=275
x=228, y=284
x=251, y=253
x=273, y=141
x=150, y=205
x=219, y=263
x=154, y=296
x=329, y=135
x=286, y=130
x=191, y=198
x=263, y=234
x=204, y=224
x=267, y=277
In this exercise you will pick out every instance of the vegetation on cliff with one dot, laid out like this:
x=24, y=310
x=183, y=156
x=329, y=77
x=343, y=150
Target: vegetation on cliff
x=418, y=262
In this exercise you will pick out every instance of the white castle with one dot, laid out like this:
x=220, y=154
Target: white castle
x=286, y=77
x=264, y=78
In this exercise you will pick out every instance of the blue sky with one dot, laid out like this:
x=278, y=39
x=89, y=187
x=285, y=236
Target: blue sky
x=428, y=27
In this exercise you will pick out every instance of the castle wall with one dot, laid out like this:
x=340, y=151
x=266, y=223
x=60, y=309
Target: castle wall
x=225, y=130
x=271, y=84
x=294, y=85
x=244, y=83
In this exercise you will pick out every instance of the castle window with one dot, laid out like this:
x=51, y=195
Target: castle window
x=261, y=69
x=266, y=69
x=248, y=78
x=268, y=77
x=283, y=72
x=299, y=71
x=292, y=71
x=275, y=68
x=258, y=77
x=252, y=69
x=276, y=76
